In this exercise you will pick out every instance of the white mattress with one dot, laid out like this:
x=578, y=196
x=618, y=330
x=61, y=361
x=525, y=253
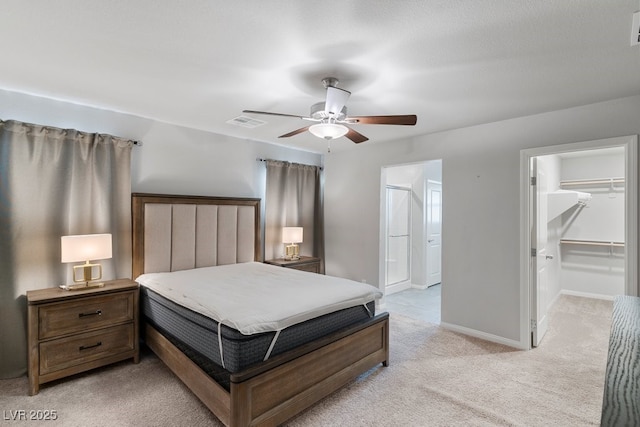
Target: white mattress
x=254, y=297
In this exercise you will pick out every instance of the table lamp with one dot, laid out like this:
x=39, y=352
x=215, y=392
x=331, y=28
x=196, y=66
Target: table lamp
x=87, y=248
x=291, y=236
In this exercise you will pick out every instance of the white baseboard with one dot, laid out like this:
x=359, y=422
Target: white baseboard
x=587, y=295
x=483, y=335
x=398, y=287
x=413, y=285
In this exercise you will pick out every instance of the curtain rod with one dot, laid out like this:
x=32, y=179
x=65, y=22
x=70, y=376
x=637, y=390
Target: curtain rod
x=260, y=159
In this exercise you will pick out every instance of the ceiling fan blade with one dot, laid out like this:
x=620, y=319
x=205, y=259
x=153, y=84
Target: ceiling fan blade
x=409, y=120
x=295, y=132
x=273, y=114
x=356, y=137
x=336, y=100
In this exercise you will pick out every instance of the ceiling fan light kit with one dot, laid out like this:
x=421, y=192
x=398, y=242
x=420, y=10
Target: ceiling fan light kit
x=328, y=130
x=332, y=117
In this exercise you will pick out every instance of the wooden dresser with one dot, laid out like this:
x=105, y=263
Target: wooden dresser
x=305, y=263
x=74, y=331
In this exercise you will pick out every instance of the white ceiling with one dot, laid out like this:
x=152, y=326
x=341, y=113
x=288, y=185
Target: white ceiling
x=199, y=63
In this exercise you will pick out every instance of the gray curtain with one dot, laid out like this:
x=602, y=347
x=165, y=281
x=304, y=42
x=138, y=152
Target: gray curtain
x=294, y=199
x=55, y=182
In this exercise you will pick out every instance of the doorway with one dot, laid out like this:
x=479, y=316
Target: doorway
x=415, y=285
x=578, y=226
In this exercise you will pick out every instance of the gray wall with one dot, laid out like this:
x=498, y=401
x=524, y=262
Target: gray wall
x=481, y=208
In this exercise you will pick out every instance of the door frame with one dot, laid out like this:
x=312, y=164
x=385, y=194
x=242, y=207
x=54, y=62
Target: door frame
x=630, y=144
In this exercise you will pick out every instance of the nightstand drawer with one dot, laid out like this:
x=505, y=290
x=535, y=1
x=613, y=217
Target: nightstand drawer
x=75, y=350
x=88, y=313
x=311, y=267
x=304, y=263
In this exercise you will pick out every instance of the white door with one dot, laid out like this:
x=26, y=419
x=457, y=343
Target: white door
x=434, y=232
x=540, y=288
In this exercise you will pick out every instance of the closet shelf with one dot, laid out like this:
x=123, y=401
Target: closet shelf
x=603, y=181
x=561, y=200
x=592, y=243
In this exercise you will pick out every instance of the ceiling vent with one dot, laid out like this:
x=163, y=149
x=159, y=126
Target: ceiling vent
x=246, y=122
x=635, y=29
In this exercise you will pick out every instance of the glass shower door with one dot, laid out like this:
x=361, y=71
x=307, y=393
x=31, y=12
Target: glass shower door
x=398, y=234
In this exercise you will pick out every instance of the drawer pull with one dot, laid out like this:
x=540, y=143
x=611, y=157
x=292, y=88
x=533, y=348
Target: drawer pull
x=87, y=347
x=95, y=313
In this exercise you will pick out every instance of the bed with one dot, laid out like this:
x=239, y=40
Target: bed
x=183, y=233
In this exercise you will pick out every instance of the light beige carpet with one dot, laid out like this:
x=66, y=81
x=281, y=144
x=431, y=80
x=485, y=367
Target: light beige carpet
x=436, y=378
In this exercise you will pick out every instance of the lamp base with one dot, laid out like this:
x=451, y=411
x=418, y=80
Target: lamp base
x=81, y=286
x=292, y=252
x=87, y=272
x=85, y=281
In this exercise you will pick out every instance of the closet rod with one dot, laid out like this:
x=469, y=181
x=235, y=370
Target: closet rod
x=592, y=242
x=593, y=181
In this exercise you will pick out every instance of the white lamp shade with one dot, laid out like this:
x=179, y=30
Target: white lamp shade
x=328, y=130
x=292, y=234
x=85, y=247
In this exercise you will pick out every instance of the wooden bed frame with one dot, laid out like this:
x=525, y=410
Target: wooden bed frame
x=273, y=391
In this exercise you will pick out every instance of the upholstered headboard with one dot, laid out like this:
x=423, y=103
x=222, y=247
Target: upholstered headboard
x=182, y=232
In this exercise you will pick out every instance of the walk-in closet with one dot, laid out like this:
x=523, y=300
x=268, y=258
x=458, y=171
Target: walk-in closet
x=585, y=222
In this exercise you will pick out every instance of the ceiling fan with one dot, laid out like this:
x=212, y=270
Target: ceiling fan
x=331, y=116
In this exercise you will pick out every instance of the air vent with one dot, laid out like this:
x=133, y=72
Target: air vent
x=635, y=29
x=246, y=122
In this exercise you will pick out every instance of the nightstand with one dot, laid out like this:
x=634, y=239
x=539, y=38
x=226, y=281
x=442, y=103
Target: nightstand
x=305, y=263
x=74, y=331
